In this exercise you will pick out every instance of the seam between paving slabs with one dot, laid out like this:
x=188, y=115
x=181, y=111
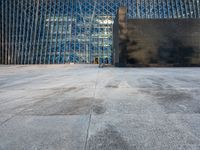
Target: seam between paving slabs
x=90, y=116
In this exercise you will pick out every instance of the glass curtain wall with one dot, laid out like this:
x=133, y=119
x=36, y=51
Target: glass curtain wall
x=73, y=31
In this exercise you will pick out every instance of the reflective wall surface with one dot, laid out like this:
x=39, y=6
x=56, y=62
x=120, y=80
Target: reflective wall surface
x=73, y=31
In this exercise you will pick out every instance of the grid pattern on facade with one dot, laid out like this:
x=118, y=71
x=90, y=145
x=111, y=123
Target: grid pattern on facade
x=73, y=31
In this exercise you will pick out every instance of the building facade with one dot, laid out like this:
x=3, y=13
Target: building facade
x=73, y=31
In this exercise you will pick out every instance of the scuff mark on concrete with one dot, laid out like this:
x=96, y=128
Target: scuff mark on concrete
x=108, y=139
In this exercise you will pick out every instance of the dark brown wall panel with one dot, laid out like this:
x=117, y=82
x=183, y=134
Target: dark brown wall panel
x=161, y=42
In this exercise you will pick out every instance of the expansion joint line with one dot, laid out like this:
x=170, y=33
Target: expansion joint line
x=91, y=110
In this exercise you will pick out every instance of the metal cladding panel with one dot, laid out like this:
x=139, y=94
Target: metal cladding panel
x=161, y=42
x=77, y=31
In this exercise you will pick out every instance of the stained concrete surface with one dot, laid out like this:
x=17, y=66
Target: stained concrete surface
x=83, y=107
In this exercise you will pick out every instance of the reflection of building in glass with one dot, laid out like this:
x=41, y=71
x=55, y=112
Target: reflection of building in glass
x=79, y=31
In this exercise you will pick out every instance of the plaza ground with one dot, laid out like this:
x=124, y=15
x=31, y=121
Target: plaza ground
x=83, y=107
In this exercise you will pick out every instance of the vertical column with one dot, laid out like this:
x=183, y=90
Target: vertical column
x=86, y=23
x=137, y=7
x=56, y=32
x=34, y=47
x=20, y=31
x=79, y=31
x=154, y=9
x=99, y=31
x=39, y=30
x=140, y=6
x=61, y=36
x=73, y=26
x=16, y=33
x=47, y=33
x=177, y=9
x=181, y=8
x=102, y=33
x=52, y=31
x=44, y=32
x=107, y=31
x=33, y=3
x=190, y=9
x=194, y=9
x=79, y=35
x=9, y=31
x=186, y=9
x=70, y=30
x=27, y=31
x=134, y=9
x=28, y=34
x=90, y=8
x=159, y=9
x=65, y=29
x=168, y=10
x=6, y=30
x=145, y=8
x=163, y=9
x=84, y=31
x=172, y=10
x=66, y=32
x=2, y=32
x=149, y=9
x=13, y=31
x=75, y=36
x=24, y=30
x=198, y=8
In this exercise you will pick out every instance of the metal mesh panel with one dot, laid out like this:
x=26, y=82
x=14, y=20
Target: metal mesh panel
x=77, y=31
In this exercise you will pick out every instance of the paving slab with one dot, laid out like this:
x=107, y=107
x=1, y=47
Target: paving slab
x=133, y=132
x=44, y=132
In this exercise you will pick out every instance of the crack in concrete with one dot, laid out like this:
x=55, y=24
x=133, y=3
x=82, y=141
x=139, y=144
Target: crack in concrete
x=14, y=115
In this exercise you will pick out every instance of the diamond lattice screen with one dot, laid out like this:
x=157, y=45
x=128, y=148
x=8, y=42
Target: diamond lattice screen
x=77, y=31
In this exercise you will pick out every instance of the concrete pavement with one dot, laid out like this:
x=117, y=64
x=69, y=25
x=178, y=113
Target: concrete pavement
x=83, y=107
